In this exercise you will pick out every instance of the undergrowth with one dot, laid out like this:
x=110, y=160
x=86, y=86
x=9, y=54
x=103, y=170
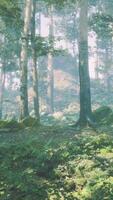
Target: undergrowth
x=57, y=164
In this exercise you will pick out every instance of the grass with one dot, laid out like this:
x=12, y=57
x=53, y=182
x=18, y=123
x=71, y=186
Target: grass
x=56, y=163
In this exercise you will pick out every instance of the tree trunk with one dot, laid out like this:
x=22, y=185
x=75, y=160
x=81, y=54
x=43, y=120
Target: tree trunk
x=50, y=65
x=34, y=66
x=107, y=70
x=2, y=79
x=85, y=96
x=97, y=62
x=24, y=59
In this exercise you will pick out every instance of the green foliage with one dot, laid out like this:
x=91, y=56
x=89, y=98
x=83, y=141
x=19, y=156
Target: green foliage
x=57, y=3
x=54, y=163
x=43, y=46
x=10, y=12
x=12, y=124
x=102, y=25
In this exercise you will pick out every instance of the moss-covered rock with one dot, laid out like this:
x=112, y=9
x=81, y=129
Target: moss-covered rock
x=110, y=119
x=103, y=115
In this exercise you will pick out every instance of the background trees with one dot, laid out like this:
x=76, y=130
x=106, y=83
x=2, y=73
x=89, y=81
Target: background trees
x=63, y=49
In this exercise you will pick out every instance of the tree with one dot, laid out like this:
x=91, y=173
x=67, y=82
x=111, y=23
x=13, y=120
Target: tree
x=2, y=85
x=23, y=60
x=85, y=94
x=34, y=67
x=50, y=62
x=101, y=23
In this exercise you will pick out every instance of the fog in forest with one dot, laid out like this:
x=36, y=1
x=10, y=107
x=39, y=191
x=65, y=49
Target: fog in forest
x=56, y=30
x=56, y=99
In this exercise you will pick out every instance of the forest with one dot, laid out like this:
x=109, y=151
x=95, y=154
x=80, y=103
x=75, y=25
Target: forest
x=56, y=99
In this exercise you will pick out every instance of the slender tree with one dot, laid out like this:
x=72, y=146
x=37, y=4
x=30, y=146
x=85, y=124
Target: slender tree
x=34, y=66
x=50, y=63
x=97, y=61
x=85, y=95
x=2, y=86
x=23, y=60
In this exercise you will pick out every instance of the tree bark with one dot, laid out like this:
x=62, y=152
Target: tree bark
x=24, y=59
x=34, y=66
x=85, y=94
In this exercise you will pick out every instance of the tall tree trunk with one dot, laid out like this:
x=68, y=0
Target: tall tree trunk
x=50, y=64
x=2, y=80
x=85, y=96
x=39, y=26
x=97, y=61
x=75, y=42
x=24, y=59
x=34, y=66
x=107, y=69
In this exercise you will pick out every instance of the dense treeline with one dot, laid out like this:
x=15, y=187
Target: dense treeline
x=45, y=47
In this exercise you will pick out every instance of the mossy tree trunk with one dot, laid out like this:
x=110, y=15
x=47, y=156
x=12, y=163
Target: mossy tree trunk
x=85, y=94
x=24, y=59
x=34, y=66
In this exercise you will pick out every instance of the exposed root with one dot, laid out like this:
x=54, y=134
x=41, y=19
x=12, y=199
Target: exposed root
x=86, y=123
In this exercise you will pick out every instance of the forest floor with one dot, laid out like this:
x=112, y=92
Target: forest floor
x=57, y=163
